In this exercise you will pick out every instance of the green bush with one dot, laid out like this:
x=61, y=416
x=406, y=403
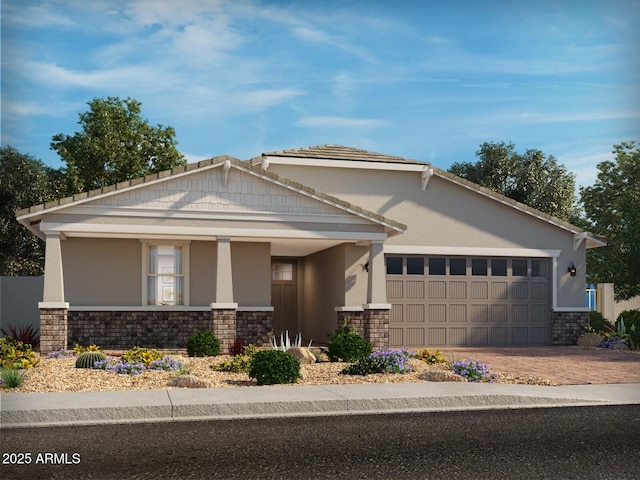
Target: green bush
x=237, y=363
x=598, y=323
x=15, y=354
x=12, y=377
x=145, y=356
x=87, y=359
x=271, y=367
x=203, y=344
x=631, y=321
x=346, y=345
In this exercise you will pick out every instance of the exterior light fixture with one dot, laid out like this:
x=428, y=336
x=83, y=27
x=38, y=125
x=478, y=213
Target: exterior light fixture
x=572, y=269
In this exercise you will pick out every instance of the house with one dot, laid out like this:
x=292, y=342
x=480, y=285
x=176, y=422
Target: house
x=300, y=241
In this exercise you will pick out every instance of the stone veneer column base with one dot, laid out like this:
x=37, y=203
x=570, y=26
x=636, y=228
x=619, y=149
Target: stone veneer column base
x=354, y=320
x=254, y=327
x=376, y=327
x=566, y=327
x=53, y=329
x=224, y=328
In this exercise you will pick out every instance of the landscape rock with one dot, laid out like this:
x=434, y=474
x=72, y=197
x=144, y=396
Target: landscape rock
x=303, y=355
x=304, y=373
x=442, y=376
x=188, y=381
x=590, y=340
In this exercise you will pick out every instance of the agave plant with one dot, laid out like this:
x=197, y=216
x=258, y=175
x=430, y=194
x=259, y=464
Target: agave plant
x=285, y=342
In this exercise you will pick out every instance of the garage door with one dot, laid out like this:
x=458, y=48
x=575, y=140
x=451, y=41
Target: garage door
x=438, y=301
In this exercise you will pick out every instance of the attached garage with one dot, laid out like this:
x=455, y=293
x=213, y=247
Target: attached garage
x=458, y=300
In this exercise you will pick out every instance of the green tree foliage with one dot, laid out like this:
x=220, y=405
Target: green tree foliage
x=532, y=178
x=116, y=144
x=25, y=181
x=612, y=208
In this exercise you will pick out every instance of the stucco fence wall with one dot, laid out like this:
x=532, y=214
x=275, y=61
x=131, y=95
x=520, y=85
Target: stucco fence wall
x=19, y=297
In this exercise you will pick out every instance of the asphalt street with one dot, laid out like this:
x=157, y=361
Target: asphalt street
x=599, y=442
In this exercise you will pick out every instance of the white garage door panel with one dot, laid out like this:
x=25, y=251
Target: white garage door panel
x=476, y=308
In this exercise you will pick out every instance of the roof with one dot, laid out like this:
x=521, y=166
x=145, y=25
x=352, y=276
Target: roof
x=339, y=152
x=38, y=210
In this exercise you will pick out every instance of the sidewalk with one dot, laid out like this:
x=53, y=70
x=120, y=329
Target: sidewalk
x=48, y=409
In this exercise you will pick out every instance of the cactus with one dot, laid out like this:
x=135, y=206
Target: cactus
x=87, y=359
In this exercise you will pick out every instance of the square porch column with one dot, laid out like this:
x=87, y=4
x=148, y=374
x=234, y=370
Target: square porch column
x=53, y=308
x=376, y=310
x=224, y=309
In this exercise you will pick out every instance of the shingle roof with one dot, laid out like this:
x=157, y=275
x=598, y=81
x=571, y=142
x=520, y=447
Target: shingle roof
x=78, y=198
x=338, y=152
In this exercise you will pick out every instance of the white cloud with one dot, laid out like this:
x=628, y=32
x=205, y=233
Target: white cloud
x=36, y=16
x=261, y=99
x=340, y=122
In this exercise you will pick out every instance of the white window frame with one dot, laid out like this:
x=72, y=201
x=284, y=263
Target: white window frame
x=145, y=271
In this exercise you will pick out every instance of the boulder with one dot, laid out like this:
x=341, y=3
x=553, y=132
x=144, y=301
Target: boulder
x=188, y=381
x=304, y=373
x=442, y=376
x=303, y=355
x=590, y=340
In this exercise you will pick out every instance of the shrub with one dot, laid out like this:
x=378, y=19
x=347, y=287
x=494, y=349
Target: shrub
x=628, y=323
x=430, y=358
x=203, y=344
x=15, y=354
x=237, y=348
x=29, y=335
x=12, y=377
x=166, y=363
x=238, y=363
x=473, y=370
x=270, y=367
x=62, y=353
x=598, y=323
x=383, y=361
x=146, y=356
x=346, y=345
x=78, y=349
x=88, y=359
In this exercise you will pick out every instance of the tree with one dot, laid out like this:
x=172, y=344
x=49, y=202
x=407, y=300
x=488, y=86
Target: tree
x=612, y=208
x=25, y=181
x=116, y=144
x=532, y=178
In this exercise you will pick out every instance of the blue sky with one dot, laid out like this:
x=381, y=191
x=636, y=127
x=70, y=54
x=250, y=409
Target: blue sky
x=426, y=80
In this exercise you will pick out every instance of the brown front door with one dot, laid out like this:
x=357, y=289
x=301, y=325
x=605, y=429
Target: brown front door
x=284, y=296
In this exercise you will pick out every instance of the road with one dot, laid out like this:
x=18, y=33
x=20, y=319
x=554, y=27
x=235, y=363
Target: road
x=558, y=443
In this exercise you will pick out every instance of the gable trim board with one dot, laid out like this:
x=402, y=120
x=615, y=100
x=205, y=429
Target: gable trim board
x=219, y=200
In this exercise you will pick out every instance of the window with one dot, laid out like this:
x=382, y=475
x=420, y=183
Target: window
x=394, y=265
x=499, y=267
x=519, y=267
x=165, y=275
x=437, y=266
x=538, y=268
x=282, y=271
x=479, y=266
x=457, y=266
x=415, y=265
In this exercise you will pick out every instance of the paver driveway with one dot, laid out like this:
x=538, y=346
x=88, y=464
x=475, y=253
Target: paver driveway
x=565, y=365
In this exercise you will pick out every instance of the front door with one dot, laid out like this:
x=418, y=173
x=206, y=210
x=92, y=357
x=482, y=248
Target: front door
x=284, y=296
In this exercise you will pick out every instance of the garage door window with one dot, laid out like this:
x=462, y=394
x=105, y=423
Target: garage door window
x=499, y=267
x=394, y=265
x=479, y=266
x=519, y=267
x=437, y=266
x=415, y=265
x=538, y=268
x=457, y=266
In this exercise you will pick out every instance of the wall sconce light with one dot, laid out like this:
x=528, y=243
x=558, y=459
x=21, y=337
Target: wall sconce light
x=365, y=267
x=572, y=269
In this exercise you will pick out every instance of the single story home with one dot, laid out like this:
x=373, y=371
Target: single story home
x=302, y=240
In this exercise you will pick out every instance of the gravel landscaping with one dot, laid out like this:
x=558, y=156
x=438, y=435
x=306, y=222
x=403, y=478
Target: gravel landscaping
x=60, y=375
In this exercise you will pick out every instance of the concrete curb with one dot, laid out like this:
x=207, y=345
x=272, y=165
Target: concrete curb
x=48, y=409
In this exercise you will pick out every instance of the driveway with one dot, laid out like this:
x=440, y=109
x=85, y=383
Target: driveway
x=564, y=365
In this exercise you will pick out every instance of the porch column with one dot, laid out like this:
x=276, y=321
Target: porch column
x=224, y=310
x=376, y=311
x=377, y=286
x=224, y=274
x=53, y=308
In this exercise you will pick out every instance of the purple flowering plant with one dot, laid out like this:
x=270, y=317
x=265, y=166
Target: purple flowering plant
x=134, y=368
x=473, y=370
x=62, y=353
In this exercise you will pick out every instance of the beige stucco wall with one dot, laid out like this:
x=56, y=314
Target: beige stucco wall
x=202, y=270
x=448, y=215
x=102, y=271
x=251, y=273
